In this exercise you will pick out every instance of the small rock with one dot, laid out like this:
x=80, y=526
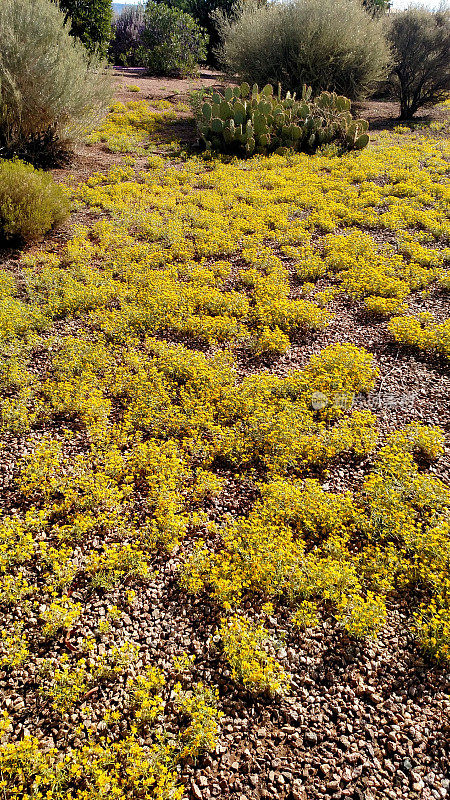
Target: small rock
x=298, y=791
x=196, y=791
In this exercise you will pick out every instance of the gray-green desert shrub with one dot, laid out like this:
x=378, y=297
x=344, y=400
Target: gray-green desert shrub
x=420, y=41
x=245, y=121
x=51, y=90
x=328, y=44
x=30, y=202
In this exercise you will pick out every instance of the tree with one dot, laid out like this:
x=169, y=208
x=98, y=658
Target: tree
x=172, y=41
x=420, y=42
x=91, y=22
x=376, y=7
x=126, y=43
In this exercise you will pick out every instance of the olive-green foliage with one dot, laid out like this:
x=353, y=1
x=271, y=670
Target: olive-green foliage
x=90, y=21
x=207, y=13
x=328, y=44
x=30, y=202
x=51, y=91
x=376, y=7
x=248, y=121
x=172, y=43
x=420, y=41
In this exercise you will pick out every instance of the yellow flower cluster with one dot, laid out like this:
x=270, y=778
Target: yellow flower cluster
x=408, y=529
x=245, y=647
x=14, y=649
x=99, y=769
x=120, y=370
x=305, y=615
x=61, y=614
x=130, y=125
x=297, y=542
x=66, y=684
x=146, y=704
x=200, y=707
x=422, y=332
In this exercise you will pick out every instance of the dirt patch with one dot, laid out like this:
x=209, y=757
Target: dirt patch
x=174, y=89
x=384, y=114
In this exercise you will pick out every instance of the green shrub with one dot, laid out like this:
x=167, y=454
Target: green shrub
x=420, y=41
x=205, y=13
x=328, y=44
x=172, y=42
x=243, y=121
x=90, y=21
x=162, y=37
x=30, y=202
x=51, y=91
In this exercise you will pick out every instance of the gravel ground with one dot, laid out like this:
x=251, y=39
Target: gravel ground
x=366, y=721
x=362, y=721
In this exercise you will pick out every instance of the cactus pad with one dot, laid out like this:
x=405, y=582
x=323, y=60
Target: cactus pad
x=247, y=121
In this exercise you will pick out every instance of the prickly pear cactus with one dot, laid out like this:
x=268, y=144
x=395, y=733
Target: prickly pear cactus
x=246, y=120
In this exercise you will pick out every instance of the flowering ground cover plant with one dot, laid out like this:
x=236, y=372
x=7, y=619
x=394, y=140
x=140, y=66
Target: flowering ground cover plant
x=178, y=395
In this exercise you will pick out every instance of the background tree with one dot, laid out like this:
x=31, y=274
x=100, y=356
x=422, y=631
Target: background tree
x=165, y=39
x=126, y=40
x=91, y=22
x=172, y=42
x=420, y=42
x=376, y=7
x=204, y=12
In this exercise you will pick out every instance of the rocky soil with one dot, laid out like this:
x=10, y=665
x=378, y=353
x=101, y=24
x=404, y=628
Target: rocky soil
x=364, y=721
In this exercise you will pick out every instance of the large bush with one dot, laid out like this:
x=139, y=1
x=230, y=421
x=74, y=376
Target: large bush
x=51, y=91
x=205, y=13
x=328, y=44
x=127, y=36
x=162, y=38
x=30, y=202
x=90, y=21
x=420, y=41
x=172, y=42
